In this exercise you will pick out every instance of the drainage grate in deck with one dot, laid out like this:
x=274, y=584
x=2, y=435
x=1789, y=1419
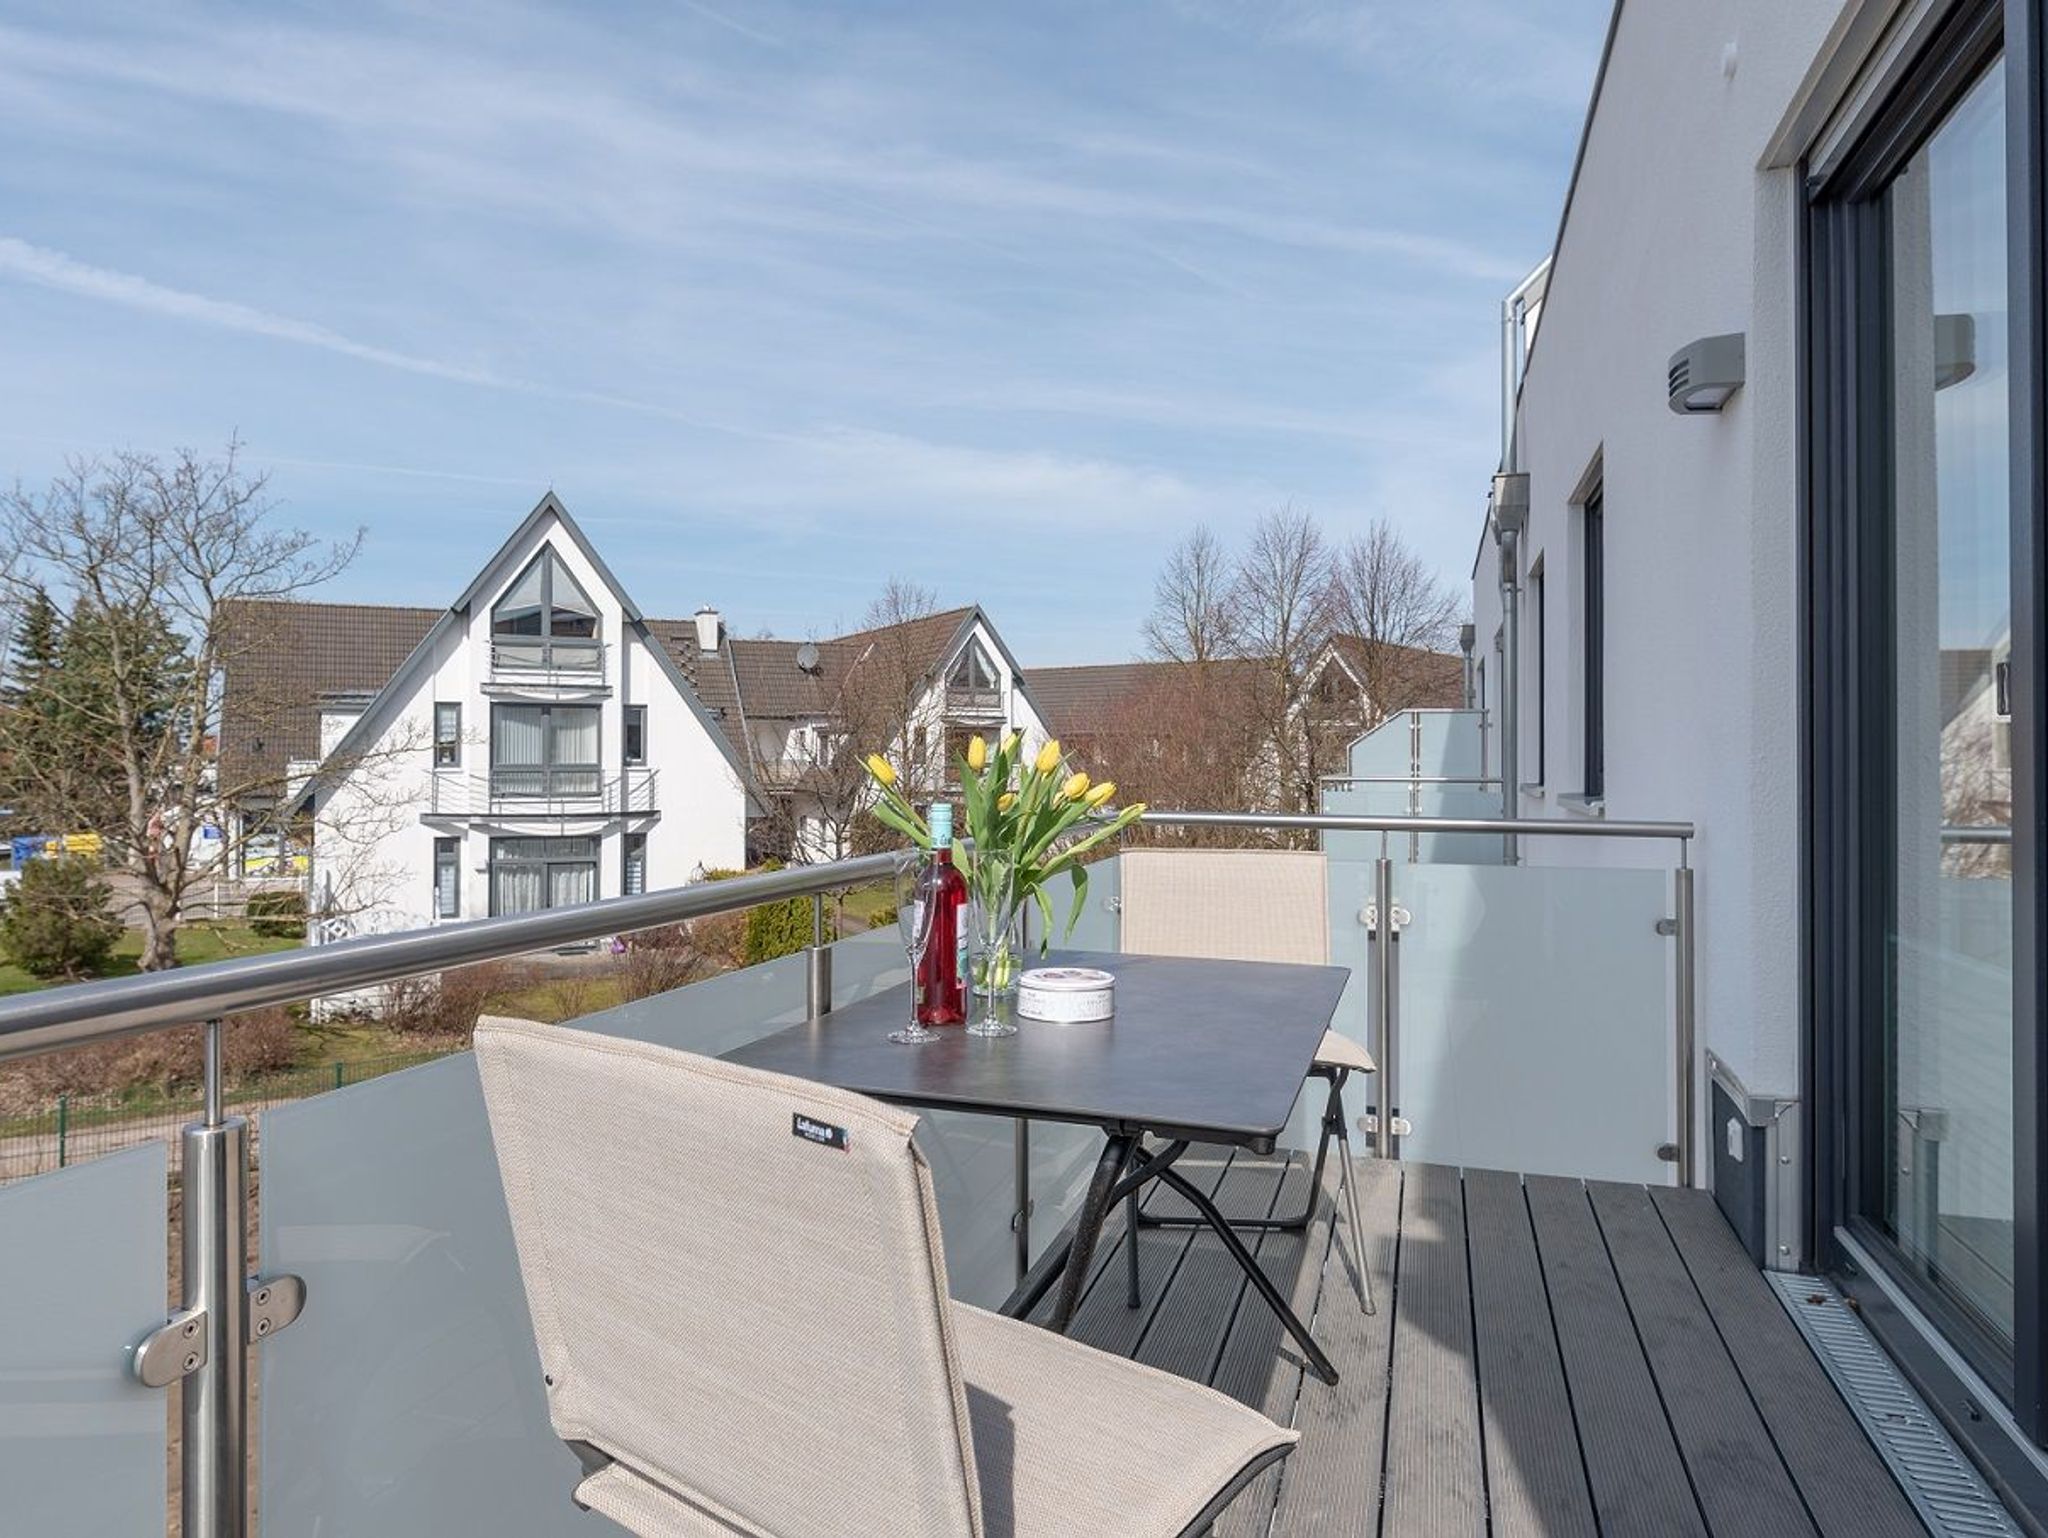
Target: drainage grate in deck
x=1944, y=1487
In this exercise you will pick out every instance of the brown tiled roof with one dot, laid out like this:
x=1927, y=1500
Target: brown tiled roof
x=293, y=654
x=1080, y=702
x=711, y=676
x=283, y=657
x=925, y=638
x=1420, y=679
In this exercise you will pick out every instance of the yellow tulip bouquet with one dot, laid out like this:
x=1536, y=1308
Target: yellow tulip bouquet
x=1021, y=817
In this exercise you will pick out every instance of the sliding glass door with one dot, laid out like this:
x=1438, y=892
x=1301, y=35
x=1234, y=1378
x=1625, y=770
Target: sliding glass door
x=1920, y=830
x=1947, y=1065
x=547, y=751
x=529, y=874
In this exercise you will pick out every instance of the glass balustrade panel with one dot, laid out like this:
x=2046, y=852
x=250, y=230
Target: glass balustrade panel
x=82, y=1269
x=1535, y=1013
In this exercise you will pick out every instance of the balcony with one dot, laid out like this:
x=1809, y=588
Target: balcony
x=525, y=657
x=963, y=703
x=1582, y=1346
x=549, y=793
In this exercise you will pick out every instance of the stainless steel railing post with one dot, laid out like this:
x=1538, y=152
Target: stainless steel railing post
x=1684, y=1020
x=1384, y=1003
x=216, y=1261
x=818, y=971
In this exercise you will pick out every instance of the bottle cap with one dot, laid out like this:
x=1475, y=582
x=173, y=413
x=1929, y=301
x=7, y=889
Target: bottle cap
x=942, y=824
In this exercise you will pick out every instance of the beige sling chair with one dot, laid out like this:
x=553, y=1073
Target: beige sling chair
x=1247, y=905
x=740, y=1301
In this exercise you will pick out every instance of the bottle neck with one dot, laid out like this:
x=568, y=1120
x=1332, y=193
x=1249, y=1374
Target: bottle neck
x=942, y=854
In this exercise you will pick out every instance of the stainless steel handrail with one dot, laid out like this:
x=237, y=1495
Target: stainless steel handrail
x=1345, y=822
x=84, y=1013
x=1976, y=833
x=1407, y=779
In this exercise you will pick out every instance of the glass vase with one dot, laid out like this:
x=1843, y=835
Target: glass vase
x=997, y=958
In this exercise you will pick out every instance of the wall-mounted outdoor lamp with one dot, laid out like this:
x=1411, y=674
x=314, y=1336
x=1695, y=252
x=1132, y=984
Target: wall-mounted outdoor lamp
x=1705, y=373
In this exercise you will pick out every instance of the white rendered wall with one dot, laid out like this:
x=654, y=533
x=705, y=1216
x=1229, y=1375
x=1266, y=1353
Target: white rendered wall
x=1675, y=233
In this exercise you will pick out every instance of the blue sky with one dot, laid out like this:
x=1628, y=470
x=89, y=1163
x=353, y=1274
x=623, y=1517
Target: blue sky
x=785, y=299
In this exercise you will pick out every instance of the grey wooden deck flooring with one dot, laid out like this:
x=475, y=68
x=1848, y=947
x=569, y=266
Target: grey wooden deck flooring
x=1550, y=1358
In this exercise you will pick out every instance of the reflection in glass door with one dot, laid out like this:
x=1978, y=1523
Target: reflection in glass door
x=1948, y=1091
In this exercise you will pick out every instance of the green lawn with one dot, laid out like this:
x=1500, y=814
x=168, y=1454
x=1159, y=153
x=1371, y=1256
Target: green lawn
x=559, y=998
x=196, y=943
x=869, y=903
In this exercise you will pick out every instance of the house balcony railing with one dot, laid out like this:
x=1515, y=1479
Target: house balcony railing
x=973, y=704
x=542, y=792
x=1534, y=1017
x=572, y=659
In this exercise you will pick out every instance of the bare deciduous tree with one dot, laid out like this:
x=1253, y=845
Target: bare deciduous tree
x=1281, y=600
x=1194, y=617
x=1400, y=614
x=149, y=558
x=870, y=691
x=884, y=688
x=1187, y=737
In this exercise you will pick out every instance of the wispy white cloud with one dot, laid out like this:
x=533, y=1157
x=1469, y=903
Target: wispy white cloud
x=729, y=22
x=53, y=269
x=773, y=285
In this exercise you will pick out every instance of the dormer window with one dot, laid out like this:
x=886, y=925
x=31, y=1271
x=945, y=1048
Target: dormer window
x=545, y=620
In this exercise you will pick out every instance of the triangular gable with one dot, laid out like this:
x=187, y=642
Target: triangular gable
x=953, y=648
x=480, y=587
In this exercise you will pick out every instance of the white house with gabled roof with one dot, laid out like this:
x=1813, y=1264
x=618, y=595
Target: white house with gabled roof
x=538, y=749
x=543, y=743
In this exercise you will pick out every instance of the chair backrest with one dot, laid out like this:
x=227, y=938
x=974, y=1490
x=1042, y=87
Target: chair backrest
x=1231, y=904
x=736, y=1285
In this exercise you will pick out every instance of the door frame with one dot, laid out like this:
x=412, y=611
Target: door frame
x=1846, y=671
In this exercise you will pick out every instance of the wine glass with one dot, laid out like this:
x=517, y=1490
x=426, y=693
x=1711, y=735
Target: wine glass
x=914, y=924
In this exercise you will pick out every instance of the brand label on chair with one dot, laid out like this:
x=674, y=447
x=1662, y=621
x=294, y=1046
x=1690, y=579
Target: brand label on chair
x=819, y=1131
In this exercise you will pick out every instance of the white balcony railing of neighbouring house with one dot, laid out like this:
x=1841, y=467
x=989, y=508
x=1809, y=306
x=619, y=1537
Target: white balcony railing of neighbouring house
x=572, y=657
x=561, y=792
x=1534, y=1017
x=973, y=704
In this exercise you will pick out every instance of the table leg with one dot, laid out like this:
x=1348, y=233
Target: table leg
x=1131, y=1287
x=1116, y=1153
x=1318, y=1362
x=1051, y=1266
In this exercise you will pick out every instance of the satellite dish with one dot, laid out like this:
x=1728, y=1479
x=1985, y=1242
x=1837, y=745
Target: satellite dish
x=807, y=657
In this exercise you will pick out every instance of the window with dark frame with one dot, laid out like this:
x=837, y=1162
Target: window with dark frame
x=1593, y=578
x=447, y=734
x=447, y=878
x=973, y=670
x=635, y=736
x=546, y=620
x=545, y=751
x=529, y=874
x=633, y=879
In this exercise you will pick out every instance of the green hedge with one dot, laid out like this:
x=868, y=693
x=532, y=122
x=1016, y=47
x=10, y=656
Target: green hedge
x=769, y=930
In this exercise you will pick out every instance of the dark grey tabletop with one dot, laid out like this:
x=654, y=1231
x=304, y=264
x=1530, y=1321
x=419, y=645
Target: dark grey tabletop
x=1208, y=1050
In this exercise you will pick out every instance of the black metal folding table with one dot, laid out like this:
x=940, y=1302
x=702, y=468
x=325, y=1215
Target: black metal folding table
x=1198, y=1051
